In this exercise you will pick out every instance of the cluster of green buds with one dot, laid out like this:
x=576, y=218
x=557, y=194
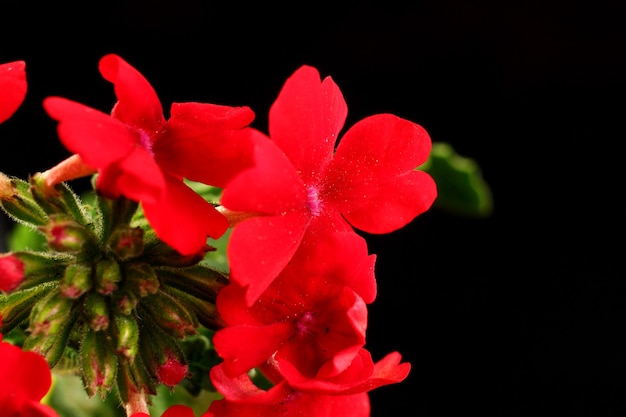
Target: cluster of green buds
x=104, y=297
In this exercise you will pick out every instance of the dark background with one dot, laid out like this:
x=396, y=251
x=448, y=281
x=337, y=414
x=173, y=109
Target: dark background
x=517, y=314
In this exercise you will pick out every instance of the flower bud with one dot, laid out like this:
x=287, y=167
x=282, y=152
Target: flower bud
x=162, y=354
x=49, y=313
x=19, y=204
x=57, y=199
x=40, y=267
x=53, y=346
x=76, y=280
x=170, y=314
x=127, y=242
x=16, y=306
x=172, y=370
x=126, y=336
x=98, y=363
x=108, y=274
x=200, y=281
x=64, y=234
x=141, y=279
x=124, y=301
x=158, y=253
x=11, y=272
x=96, y=308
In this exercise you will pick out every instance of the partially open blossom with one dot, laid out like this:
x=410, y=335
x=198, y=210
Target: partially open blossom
x=12, y=88
x=173, y=411
x=140, y=155
x=310, y=318
x=242, y=398
x=11, y=272
x=24, y=380
x=301, y=187
x=172, y=371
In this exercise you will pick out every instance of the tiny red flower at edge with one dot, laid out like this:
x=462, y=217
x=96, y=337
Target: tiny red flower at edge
x=144, y=157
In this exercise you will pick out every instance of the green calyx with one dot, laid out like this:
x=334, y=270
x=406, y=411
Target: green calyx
x=105, y=299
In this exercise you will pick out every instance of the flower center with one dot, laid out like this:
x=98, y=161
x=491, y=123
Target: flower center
x=314, y=202
x=145, y=141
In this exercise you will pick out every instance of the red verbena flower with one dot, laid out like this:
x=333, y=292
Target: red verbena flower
x=301, y=187
x=12, y=88
x=311, y=319
x=139, y=154
x=25, y=379
x=244, y=399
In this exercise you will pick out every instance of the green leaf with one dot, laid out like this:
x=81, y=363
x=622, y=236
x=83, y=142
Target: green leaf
x=461, y=188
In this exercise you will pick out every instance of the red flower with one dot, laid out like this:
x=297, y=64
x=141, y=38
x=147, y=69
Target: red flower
x=11, y=272
x=172, y=371
x=12, y=88
x=24, y=380
x=144, y=157
x=312, y=318
x=244, y=399
x=301, y=188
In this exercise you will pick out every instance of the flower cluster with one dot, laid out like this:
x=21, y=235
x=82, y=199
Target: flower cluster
x=122, y=281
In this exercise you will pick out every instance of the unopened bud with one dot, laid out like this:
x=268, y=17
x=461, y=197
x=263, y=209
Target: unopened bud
x=108, y=274
x=98, y=363
x=19, y=204
x=126, y=336
x=124, y=301
x=11, y=272
x=170, y=314
x=199, y=280
x=57, y=198
x=15, y=307
x=173, y=370
x=157, y=253
x=127, y=242
x=40, y=267
x=97, y=311
x=65, y=234
x=76, y=280
x=141, y=278
x=52, y=347
x=49, y=313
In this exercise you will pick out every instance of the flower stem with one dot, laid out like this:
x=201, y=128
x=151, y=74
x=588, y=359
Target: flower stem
x=136, y=403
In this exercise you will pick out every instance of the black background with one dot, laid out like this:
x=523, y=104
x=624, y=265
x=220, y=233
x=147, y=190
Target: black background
x=517, y=314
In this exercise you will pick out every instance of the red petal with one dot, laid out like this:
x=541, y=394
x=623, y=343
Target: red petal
x=259, y=248
x=137, y=105
x=204, y=142
x=13, y=88
x=137, y=176
x=246, y=347
x=183, y=219
x=305, y=121
x=371, y=175
x=23, y=374
x=178, y=411
x=97, y=137
x=271, y=187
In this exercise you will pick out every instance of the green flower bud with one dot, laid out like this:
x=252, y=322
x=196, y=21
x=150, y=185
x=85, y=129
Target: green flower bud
x=76, y=280
x=49, y=313
x=127, y=242
x=96, y=308
x=157, y=253
x=141, y=279
x=162, y=354
x=64, y=234
x=16, y=306
x=126, y=336
x=170, y=314
x=200, y=281
x=124, y=301
x=53, y=346
x=40, y=267
x=108, y=274
x=98, y=363
x=58, y=199
x=18, y=203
